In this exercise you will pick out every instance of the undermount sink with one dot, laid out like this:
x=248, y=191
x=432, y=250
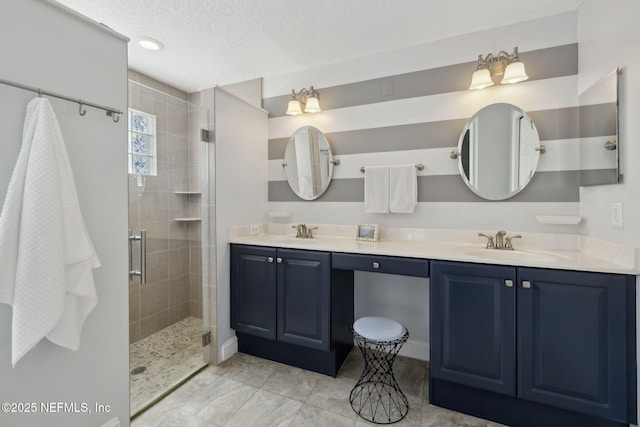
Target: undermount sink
x=527, y=255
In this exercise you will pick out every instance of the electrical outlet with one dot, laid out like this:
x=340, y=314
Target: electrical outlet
x=253, y=229
x=616, y=214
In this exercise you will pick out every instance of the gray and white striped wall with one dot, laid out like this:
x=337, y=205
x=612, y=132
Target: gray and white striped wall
x=410, y=106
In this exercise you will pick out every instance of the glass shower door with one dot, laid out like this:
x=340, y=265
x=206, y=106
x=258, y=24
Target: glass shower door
x=168, y=316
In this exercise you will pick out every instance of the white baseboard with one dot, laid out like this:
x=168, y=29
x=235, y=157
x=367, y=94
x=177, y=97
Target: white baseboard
x=228, y=349
x=415, y=350
x=114, y=422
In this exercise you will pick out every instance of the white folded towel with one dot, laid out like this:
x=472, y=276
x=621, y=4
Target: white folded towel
x=376, y=189
x=46, y=255
x=403, y=188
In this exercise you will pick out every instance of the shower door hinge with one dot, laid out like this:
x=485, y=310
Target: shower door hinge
x=204, y=135
x=206, y=339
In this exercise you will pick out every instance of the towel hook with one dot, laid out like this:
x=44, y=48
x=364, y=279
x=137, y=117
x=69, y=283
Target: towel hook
x=81, y=110
x=115, y=116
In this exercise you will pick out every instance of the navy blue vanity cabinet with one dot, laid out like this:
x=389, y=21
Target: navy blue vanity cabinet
x=253, y=290
x=576, y=341
x=381, y=264
x=473, y=338
x=288, y=305
x=533, y=347
x=303, y=298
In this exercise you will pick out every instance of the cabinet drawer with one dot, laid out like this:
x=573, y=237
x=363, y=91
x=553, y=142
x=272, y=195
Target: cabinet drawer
x=381, y=264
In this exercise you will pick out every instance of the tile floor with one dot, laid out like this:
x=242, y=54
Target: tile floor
x=169, y=355
x=248, y=391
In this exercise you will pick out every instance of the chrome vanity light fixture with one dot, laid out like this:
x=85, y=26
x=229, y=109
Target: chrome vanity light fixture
x=308, y=97
x=509, y=66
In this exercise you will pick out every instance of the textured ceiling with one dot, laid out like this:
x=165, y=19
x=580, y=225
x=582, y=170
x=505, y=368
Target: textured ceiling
x=217, y=42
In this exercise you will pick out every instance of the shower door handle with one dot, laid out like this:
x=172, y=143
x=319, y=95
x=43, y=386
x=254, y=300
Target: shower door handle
x=143, y=256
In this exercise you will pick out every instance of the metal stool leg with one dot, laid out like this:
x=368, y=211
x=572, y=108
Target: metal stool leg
x=377, y=397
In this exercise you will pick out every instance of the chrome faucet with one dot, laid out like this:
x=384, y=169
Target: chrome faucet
x=303, y=232
x=507, y=241
x=499, y=239
x=490, y=244
x=502, y=241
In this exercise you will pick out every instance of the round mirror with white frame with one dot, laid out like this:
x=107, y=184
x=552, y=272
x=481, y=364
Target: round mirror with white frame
x=498, y=151
x=308, y=163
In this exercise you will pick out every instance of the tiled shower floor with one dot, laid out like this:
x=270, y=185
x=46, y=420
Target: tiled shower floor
x=169, y=355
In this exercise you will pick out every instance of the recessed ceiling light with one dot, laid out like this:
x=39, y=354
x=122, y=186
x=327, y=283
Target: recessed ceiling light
x=150, y=43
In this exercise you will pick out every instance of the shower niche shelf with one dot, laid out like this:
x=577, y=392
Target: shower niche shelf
x=189, y=218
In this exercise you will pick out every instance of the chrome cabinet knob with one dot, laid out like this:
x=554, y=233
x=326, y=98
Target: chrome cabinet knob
x=508, y=283
x=376, y=265
x=270, y=259
x=279, y=260
x=526, y=284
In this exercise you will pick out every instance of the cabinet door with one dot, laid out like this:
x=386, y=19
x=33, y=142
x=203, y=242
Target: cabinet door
x=473, y=325
x=572, y=341
x=253, y=290
x=304, y=293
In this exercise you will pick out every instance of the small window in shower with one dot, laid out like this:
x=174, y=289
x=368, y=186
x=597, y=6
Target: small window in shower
x=142, y=143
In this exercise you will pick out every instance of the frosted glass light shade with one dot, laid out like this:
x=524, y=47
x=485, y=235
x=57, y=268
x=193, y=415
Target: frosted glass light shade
x=514, y=73
x=294, y=108
x=481, y=79
x=313, y=106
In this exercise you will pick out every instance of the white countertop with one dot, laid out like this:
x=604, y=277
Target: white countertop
x=566, y=252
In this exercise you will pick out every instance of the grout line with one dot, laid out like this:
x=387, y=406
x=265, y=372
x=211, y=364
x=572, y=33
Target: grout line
x=241, y=406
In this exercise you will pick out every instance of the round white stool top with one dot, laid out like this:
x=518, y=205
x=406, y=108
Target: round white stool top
x=378, y=328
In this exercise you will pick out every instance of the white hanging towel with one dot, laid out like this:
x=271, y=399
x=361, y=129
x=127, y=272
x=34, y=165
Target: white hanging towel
x=376, y=189
x=46, y=255
x=403, y=188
